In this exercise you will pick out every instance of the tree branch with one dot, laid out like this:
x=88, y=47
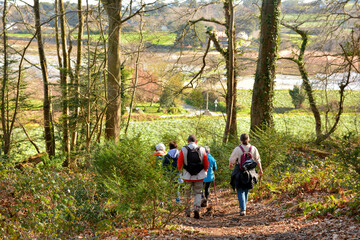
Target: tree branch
x=190, y=84
x=202, y=19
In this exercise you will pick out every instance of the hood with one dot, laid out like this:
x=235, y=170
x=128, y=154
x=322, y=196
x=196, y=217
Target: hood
x=174, y=153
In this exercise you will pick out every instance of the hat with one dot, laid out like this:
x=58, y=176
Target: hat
x=160, y=147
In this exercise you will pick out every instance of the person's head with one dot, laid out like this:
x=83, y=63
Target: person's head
x=244, y=138
x=191, y=138
x=172, y=145
x=207, y=149
x=160, y=147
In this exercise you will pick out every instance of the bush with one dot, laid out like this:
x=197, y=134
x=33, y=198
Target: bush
x=272, y=146
x=49, y=204
x=297, y=96
x=142, y=192
x=349, y=153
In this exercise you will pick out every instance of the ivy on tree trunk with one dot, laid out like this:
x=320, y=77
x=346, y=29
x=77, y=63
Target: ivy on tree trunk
x=263, y=91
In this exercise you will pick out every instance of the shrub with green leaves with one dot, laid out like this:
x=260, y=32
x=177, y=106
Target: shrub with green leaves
x=297, y=96
x=142, y=192
x=349, y=153
x=49, y=204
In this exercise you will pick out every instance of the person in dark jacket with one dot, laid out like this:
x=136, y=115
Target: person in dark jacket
x=238, y=176
x=170, y=165
x=170, y=159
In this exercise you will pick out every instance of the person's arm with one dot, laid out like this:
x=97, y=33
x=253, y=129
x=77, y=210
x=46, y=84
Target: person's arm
x=234, y=157
x=258, y=161
x=205, y=162
x=215, y=165
x=260, y=169
x=180, y=161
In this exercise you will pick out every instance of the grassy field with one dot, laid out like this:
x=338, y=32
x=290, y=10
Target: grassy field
x=157, y=38
x=282, y=99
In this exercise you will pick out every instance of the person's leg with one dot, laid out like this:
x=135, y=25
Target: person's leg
x=178, y=183
x=202, y=192
x=241, y=198
x=197, y=188
x=207, y=186
x=205, y=199
x=188, y=187
x=246, y=193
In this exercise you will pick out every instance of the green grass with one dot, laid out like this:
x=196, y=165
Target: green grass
x=282, y=99
x=21, y=35
x=156, y=38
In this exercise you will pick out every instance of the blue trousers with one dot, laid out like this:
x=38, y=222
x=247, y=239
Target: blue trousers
x=243, y=197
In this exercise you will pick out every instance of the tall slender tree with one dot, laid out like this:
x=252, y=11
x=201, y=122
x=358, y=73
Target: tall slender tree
x=116, y=19
x=263, y=91
x=48, y=122
x=4, y=83
x=64, y=85
x=113, y=113
x=76, y=79
x=229, y=54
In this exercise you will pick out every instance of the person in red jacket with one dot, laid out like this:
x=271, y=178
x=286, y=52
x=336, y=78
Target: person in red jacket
x=194, y=164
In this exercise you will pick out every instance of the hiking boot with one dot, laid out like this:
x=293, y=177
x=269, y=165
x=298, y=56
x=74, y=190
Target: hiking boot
x=187, y=212
x=196, y=214
x=242, y=213
x=204, y=203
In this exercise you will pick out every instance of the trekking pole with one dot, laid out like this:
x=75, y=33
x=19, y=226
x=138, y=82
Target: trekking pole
x=215, y=190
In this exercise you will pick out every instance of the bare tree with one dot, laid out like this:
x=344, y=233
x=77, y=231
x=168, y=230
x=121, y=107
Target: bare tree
x=48, y=122
x=64, y=70
x=76, y=79
x=4, y=84
x=349, y=55
x=229, y=54
x=137, y=62
x=117, y=16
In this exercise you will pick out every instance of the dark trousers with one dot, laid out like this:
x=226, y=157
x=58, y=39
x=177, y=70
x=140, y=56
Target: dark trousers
x=207, y=186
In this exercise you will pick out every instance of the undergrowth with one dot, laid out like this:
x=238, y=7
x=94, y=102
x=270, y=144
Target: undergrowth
x=314, y=180
x=121, y=188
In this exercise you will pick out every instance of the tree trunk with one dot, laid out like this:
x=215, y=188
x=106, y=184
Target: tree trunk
x=4, y=85
x=88, y=103
x=231, y=125
x=309, y=92
x=305, y=76
x=48, y=123
x=77, y=74
x=263, y=91
x=113, y=113
x=64, y=86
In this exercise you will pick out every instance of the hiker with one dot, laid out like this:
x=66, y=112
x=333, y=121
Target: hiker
x=170, y=159
x=235, y=159
x=194, y=164
x=170, y=165
x=210, y=176
x=158, y=155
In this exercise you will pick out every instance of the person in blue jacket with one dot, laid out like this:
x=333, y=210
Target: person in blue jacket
x=210, y=176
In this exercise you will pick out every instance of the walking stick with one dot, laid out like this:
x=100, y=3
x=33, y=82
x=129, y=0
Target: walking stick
x=215, y=190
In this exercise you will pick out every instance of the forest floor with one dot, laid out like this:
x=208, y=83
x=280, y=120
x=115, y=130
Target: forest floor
x=264, y=220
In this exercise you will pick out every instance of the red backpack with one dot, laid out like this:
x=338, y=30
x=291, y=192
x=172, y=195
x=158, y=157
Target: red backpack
x=245, y=156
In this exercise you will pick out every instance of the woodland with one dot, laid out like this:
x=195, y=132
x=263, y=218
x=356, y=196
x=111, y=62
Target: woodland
x=89, y=88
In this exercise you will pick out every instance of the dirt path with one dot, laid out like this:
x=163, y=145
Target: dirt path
x=192, y=111
x=264, y=220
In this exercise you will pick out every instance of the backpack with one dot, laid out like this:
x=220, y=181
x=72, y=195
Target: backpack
x=170, y=163
x=194, y=164
x=244, y=157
